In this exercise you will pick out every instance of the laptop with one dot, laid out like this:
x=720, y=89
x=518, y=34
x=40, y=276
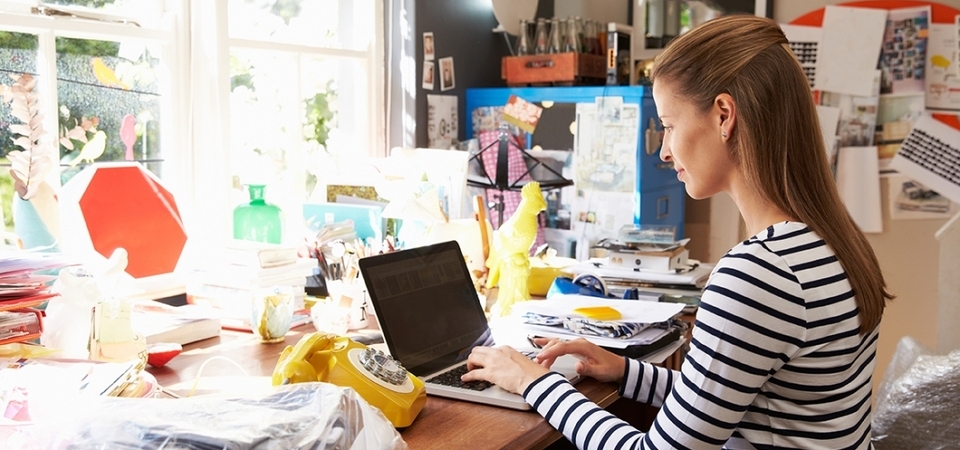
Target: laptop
x=431, y=318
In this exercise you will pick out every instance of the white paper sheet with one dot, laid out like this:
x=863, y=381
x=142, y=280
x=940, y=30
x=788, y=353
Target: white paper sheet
x=442, y=121
x=805, y=43
x=943, y=85
x=942, y=163
x=633, y=311
x=850, y=49
x=858, y=181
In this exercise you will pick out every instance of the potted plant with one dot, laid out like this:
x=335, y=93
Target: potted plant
x=36, y=215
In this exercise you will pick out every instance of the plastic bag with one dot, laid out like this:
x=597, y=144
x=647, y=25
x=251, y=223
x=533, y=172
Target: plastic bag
x=918, y=400
x=296, y=416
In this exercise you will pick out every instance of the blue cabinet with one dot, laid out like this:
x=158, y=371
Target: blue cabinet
x=659, y=197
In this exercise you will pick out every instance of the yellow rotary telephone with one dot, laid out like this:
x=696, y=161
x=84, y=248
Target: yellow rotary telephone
x=376, y=376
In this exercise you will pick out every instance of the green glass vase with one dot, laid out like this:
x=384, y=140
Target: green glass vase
x=258, y=220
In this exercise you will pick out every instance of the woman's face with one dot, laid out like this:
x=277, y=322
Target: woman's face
x=692, y=141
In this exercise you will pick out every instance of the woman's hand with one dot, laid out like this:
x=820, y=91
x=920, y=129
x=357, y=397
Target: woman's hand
x=594, y=361
x=504, y=367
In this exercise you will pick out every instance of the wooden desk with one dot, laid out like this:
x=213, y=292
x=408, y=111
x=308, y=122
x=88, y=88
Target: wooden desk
x=442, y=424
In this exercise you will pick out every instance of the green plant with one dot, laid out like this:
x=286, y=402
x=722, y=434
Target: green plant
x=319, y=115
x=29, y=166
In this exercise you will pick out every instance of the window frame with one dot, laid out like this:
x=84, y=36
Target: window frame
x=180, y=160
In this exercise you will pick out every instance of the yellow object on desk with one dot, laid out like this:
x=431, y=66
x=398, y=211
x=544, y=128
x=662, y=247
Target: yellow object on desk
x=377, y=377
x=544, y=270
x=599, y=312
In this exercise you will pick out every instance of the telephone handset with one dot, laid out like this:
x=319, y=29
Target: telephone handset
x=376, y=376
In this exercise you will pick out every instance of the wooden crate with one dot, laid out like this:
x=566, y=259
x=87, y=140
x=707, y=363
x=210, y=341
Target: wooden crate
x=554, y=69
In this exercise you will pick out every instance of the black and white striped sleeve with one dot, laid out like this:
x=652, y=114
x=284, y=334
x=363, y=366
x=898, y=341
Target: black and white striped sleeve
x=751, y=321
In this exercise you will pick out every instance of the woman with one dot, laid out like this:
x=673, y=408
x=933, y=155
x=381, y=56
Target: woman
x=785, y=340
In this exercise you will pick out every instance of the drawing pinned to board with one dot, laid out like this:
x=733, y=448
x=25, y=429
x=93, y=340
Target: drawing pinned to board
x=428, y=46
x=858, y=117
x=447, y=77
x=606, y=153
x=428, y=75
x=442, y=121
x=910, y=200
x=943, y=84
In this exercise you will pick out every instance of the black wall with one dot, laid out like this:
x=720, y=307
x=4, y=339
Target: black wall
x=461, y=29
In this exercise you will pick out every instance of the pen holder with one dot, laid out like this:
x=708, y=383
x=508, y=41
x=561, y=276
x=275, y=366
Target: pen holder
x=271, y=314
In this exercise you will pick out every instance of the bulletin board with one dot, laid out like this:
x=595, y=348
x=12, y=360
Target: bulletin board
x=941, y=14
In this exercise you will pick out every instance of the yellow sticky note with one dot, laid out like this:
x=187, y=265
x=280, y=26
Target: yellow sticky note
x=599, y=312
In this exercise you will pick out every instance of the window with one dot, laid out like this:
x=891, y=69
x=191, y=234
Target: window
x=305, y=86
x=305, y=90
x=102, y=79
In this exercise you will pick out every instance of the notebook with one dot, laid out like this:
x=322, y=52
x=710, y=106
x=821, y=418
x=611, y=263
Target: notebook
x=431, y=319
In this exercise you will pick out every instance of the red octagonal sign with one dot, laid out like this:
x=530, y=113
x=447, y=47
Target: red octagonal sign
x=125, y=207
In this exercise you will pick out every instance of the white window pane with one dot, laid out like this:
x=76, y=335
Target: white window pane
x=102, y=93
x=344, y=24
x=146, y=13
x=289, y=115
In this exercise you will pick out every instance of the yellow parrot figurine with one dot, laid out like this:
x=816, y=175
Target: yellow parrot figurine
x=509, y=260
x=92, y=149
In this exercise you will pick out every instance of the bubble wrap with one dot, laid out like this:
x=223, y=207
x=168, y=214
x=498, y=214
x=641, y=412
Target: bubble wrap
x=918, y=401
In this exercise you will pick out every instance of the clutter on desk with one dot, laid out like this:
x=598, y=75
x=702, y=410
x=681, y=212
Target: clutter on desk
x=24, y=285
x=559, y=316
x=230, y=287
x=303, y=415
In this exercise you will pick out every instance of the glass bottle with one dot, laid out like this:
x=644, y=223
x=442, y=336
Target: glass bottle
x=258, y=220
x=540, y=37
x=572, y=40
x=556, y=31
x=523, y=40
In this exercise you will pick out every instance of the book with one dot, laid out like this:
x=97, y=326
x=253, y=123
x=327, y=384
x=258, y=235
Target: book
x=243, y=277
x=182, y=325
x=258, y=254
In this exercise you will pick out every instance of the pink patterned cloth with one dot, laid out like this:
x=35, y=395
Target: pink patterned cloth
x=516, y=170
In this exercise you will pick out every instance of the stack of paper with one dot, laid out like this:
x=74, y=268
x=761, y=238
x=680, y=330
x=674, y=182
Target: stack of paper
x=653, y=318
x=24, y=285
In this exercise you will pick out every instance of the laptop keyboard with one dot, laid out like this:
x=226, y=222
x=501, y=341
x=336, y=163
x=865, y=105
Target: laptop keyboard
x=452, y=377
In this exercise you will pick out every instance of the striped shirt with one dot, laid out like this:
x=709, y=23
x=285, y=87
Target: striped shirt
x=776, y=361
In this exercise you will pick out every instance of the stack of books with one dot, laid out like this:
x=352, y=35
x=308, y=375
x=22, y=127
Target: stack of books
x=244, y=270
x=651, y=261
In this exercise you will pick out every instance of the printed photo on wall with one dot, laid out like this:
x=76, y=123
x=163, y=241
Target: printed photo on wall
x=910, y=200
x=428, y=46
x=447, y=77
x=428, y=75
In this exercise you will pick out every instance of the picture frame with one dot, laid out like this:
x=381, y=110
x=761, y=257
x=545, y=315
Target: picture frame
x=429, y=46
x=447, y=75
x=428, y=75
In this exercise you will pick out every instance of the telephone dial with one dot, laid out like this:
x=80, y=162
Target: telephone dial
x=377, y=377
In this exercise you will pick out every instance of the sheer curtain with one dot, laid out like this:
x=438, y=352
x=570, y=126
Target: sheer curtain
x=205, y=101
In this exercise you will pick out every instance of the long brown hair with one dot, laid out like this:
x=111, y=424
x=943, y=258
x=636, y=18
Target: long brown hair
x=776, y=141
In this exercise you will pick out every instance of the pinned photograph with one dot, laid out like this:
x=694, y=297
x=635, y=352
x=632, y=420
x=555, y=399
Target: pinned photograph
x=446, y=74
x=428, y=75
x=428, y=48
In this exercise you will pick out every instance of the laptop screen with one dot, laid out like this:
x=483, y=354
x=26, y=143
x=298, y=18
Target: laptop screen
x=426, y=304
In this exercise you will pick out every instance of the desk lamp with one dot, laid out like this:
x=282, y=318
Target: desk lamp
x=501, y=180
